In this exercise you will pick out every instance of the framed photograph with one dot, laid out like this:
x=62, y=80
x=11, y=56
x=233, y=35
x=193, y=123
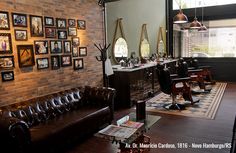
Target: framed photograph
x=4, y=18
x=71, y=22
x=62, y=34
x=66, y=60
x=5, y=43
x=72, y=31
x=61, y=23
x=55, y=62
x=82, y=51
x=67, y=46
x=7, y=76
x=81, y=24
x=78, y=64
x=48, y=21
x=25, y=55
x=41, y=47
x=21, y=35
x=36, y=26
x=75, y=51
x=42, y=63
x=7, y=62
x=55, y=46
x=75, y=41
x=19, y=20
x=50, y=32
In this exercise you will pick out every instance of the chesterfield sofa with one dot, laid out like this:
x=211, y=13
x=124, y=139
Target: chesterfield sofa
x=47, y=123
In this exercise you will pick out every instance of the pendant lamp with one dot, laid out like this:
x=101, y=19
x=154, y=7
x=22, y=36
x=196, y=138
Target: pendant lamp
x=195, y=24
x=203, y=28
x=180, y=17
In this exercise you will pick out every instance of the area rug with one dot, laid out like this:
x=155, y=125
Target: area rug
x=206, y=108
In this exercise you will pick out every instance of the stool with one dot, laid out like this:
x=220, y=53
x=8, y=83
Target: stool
x=140, y=110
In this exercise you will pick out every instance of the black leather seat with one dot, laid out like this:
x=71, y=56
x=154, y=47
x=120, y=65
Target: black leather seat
x=233, y=144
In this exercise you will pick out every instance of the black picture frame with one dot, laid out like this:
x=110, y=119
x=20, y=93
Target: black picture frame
x=6, y=43
x=50, y=32
x=55, y=46
x=75, y=51
x=55, y=62
x=41, y=47
x=81, y=24
x=71, y=23
x=42, y=63
x=19, y=20
x=67, y=46
x=7, y=62
x=25, y=55
x=66, y=60
x=4, y=24
x=21, y=35
x=61, y=23
x=75, y=41
x=7, y=76
x=62, y=34
x=48, y=21
x=36, y=26
x=82, y=51
x=72, y=31
x=78, y=63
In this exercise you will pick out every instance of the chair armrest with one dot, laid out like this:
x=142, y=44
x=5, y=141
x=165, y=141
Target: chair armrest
x=176, y=80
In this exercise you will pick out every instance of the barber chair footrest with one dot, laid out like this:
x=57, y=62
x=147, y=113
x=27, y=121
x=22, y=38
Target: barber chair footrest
x=174, y=106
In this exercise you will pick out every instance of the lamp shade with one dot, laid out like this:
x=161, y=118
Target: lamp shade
x=180, y=18
x=203, y=28
x=195, y=24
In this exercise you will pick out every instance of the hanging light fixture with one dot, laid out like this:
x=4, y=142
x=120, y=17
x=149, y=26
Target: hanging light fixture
x=180, y=17
x=203, y=28
x=195, y=24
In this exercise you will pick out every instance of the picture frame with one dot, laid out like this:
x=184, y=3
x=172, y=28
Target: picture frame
x=78, y=64
x=42, y=63
x=6, y=43
x=55, y=46
x=75, y=41
x=61, y=23
x=66, y=60
x=21, y=35
x=62, y=34
x=4, y=24
x=41, y=47
x=72, y=31
x=7, y=76
x=7, y=62
x=19, y=20
x=55, y=62
x=82, y=51
x=36, y=26
x=67, y=46
x=50, y=32
x=81, y=24
x=25, y=55
x=71, y=23
x=48, y=21
x=75, y=51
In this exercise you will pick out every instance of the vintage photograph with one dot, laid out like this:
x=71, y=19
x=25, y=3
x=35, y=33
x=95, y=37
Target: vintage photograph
x=25, y=55
x=21, y=35
x=61, y=23
x=62, y=34
x=48, y=21
x=6, y=62
x=75, y=51
x=55, y=62
x=78, y=64
x=66, y=60
x=4, y=21
x=71, y=22
x=36, y=26
x=75, y=41
x=81, y=24
x=42, y=63
x=19, y=20
x=41, y=47
x=7, y=76
x=55, y=46
x=67, y=46
x=50, y=32
x=5, y=43
x=82, y=51
x=72, y=31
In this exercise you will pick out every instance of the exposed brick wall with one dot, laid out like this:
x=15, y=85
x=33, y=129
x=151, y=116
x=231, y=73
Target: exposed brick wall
x=30, y=82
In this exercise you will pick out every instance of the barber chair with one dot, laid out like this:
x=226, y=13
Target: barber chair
x=174, y=87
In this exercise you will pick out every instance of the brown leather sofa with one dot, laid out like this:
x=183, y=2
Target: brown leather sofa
x=46, y=123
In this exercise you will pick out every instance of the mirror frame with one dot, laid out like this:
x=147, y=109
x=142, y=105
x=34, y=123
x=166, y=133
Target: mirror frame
x=113, y=50
x=159, y=38
x=144, y=35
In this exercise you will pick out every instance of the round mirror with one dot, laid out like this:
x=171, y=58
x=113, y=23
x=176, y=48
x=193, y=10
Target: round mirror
x=120, y=49
x=145, y=48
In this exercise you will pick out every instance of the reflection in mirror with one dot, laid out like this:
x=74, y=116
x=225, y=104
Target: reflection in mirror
x=145, y=48
x=160, y=44
x=120, y=49
x=161, y=49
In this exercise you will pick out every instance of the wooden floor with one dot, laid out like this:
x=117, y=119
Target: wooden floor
x=178, y=129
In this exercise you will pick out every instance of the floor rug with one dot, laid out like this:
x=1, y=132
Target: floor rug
x=206, y=108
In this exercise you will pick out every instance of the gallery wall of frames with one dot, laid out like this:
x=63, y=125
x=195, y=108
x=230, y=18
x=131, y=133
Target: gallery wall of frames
x=44, y=49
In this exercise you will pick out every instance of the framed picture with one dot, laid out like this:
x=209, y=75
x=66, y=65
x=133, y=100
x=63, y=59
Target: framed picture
x=7, y=62
x=55, y=46
x=78, y=64
x=71, y=22
x=50, y=32
x=61, y=23
x=7, y=76
x=41, y=47
x=48, y=21
x=21, y=35
x=42, y=63
x=75, y=41
x=66, y=60
x=82, y=51
x=4, y=18
x=62, y=34
x=5, y=43
x=19, y=20
x=55, y=62
x=81, y=24
x=67, y=46
x=72, y=31
x=25, y=55
x=75, y=51
x=36, y=26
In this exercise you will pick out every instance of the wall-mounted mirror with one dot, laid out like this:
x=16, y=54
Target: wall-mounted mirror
x=161, y=51
x=144, y=46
